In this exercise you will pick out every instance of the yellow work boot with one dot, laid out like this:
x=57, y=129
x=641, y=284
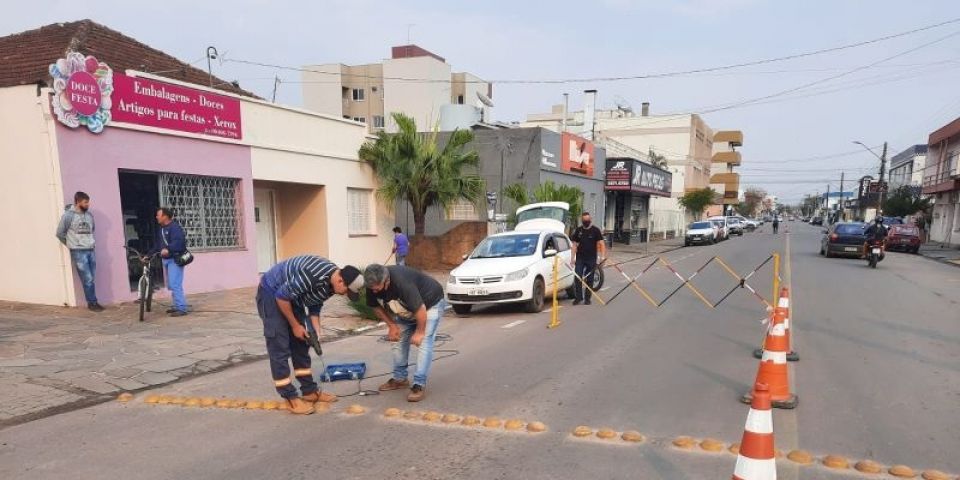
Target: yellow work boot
x=314, y=397
x=299, y=407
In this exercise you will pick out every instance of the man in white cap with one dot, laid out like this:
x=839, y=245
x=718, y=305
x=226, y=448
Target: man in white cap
x=291, y=294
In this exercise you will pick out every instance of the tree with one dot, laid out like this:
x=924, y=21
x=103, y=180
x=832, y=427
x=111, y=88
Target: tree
x=546, y=192
x=697, y=200
x=656, y=159
x=752, y=199
x=412, y=167
x=905, y=201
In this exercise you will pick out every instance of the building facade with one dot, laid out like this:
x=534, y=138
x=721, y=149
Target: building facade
x=251, y=182
x=413, y=81
x=907, y=167
x=942, y=181
x=630, y=184
x=685, y=141
x=723, y=180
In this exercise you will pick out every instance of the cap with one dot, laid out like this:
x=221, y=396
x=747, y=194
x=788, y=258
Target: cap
x=354, y=281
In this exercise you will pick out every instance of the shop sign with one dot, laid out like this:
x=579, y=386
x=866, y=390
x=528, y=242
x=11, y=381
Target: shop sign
x=649, y=179
x=576, y=155
x=173, y=107
x=82, y=89
x=618, y=175
x=87, y=92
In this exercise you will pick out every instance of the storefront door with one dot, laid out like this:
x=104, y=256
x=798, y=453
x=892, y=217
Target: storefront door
x=263, y=214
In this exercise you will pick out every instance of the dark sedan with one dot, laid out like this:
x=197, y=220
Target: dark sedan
x=843, y=239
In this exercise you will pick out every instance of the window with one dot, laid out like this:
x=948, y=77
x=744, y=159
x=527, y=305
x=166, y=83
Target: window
x=359, y=212
x=358, y=95
x=460, y=99
x=377, y=121
x=462, y=210
x=562, y=243
x=207, y=208
x=360, y=119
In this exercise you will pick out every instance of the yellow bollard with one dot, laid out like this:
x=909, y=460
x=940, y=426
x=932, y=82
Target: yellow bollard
x=555, y=309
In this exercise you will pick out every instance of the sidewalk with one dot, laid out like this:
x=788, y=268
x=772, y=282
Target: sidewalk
x=620, y=251
x=56, y=358
x=941, y=253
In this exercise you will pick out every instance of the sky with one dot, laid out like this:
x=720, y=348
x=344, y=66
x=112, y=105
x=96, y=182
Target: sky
x=794, y=144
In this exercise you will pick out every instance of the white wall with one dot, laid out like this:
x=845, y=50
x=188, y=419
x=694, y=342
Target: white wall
x=322, y=89
x=36, y=268
x=420, y=100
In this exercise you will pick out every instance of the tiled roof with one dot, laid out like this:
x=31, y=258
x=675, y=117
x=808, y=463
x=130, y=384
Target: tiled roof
x=25, y=57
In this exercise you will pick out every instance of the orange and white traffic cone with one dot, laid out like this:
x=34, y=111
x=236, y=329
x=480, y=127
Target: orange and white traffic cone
x=781, y=314
x=756, y=460
x=773, y=371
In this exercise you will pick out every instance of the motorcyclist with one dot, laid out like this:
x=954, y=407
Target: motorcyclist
x=876, y=232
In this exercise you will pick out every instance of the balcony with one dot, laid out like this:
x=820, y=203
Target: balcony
x=732, y=137
x=940, y=182
x=727, y=178
x=731, y=158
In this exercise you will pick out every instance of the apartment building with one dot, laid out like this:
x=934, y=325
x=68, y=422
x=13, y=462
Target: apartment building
x=413, y=81
x=684, y=141
x=906, y=167
x=724, y=180
x=941, y=179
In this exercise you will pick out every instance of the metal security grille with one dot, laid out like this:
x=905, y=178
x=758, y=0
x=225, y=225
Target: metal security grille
x=359, y=213
x=206, y=207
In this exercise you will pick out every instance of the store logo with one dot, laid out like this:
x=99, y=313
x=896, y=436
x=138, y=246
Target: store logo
x=82, y=87
x=545, y=157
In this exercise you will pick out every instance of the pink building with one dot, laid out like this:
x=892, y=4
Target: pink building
x=251, y=182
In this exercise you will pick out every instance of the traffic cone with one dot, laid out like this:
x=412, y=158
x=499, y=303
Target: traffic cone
x=781, y=314
x=773, y=371
x=755, y=460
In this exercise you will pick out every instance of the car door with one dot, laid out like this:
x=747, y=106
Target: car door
x=545, y=263
x=566, y=255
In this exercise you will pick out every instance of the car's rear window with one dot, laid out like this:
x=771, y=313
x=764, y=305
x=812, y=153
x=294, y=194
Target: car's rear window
x=850, y=229
x=906, y=230
x=699, y=225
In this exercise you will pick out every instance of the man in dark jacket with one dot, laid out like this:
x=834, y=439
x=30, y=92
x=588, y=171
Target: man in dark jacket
x=171, y=241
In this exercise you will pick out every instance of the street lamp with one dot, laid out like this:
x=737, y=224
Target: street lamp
x=883, y=167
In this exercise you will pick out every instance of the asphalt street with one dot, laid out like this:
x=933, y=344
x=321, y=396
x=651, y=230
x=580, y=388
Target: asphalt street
x=879, y=378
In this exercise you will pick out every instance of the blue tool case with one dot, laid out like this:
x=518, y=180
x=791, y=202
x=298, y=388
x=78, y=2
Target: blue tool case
x=344, y=371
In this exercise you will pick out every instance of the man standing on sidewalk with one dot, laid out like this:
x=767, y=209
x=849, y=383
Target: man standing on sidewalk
x=587, y=245
x=290, y=295
x=401, y=246
x=76, y=232
x=411, y=303
x=171, y=242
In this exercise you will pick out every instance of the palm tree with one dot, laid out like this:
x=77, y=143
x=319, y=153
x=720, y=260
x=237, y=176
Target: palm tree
x=411, y=167
x=546, y=192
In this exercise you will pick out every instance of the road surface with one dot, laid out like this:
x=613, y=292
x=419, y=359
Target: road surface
x=879, y=378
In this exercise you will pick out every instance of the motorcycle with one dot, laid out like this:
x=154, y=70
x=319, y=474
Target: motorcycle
x=874, y=252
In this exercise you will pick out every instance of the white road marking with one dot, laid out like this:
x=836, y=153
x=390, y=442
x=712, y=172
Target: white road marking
x=514, y=324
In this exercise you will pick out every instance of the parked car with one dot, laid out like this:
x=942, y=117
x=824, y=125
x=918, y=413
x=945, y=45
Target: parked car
x=517, y=266
x=721, y=224
x=843, y=239
x=903, y=237
x=749, y=223
x=736, y=227
x=816, y=221
x=701, y=233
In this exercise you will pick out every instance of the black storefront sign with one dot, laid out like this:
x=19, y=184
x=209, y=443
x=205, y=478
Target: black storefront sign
x=632, y=175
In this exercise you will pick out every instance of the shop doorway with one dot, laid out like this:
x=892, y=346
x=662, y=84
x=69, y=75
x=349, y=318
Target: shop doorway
x=139, y=201
x=264, y=215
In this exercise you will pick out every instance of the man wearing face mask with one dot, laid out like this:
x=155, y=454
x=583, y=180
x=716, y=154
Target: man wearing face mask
x=588, y=247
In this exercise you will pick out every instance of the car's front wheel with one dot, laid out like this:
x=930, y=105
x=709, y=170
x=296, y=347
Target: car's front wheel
x=535, y=304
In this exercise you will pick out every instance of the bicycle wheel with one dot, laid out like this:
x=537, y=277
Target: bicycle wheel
x=149, y=295
x=142, y=292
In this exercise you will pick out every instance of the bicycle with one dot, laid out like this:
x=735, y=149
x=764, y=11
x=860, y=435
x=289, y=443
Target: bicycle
x=144, y=286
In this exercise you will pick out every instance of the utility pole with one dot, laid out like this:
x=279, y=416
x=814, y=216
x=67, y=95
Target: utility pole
x=883, y=169
x=843, y=215
x=276, y=81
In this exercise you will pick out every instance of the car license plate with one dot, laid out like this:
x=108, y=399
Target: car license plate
x=478, y=291
x=850, y=249
x=876, y=251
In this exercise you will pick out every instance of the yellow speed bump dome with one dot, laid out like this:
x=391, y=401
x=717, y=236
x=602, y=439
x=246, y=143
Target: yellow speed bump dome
x=192, y=402
x=207, y=401
x=632, y=436
x=800, y=456
x=836, y=461
x=582, y=431
x=868, y=466
x=125, y=397
x=684, y=442
x=902, y=471
x=492, y=422
x=513, y=424
x=450, y=418
x=356, y=410
x=392, y=412
x=152, y=399
x=431, y=417
x=536, y=427
x=606, y=433
x=711, y=445
x=471, y=421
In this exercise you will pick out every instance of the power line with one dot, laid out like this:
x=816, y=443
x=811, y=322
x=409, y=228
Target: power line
x=615, y=78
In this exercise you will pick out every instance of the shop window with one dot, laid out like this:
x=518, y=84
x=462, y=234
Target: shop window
x=358, y=95
x=462, y=210
x=359, y=212
x=208, y=208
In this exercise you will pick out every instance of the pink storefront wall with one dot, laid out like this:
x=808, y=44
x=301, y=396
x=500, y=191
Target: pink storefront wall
x=91, y=163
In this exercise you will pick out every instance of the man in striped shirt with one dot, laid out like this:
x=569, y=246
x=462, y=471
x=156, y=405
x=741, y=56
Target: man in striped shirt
x=290, y=295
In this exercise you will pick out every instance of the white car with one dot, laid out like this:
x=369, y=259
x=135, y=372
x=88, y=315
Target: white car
x=721, y=223
x=700, y=232
x=517, y=266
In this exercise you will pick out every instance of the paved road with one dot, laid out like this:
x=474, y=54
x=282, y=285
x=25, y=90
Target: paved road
x=879, y=378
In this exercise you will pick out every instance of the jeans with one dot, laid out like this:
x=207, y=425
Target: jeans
x=585, y=269
x=401, y=349
x=175, y=283
x=401, y=259
x=86, y=263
